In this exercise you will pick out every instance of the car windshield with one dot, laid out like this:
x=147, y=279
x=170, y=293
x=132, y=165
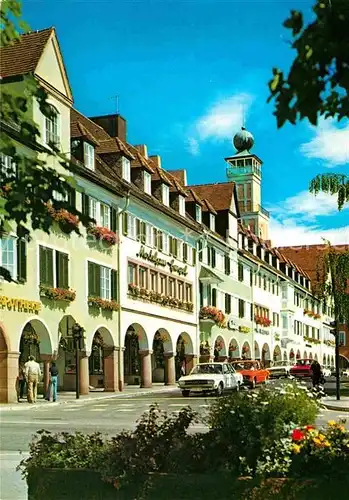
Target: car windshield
x=303, y=362
x=244, y=365
x=206, y=368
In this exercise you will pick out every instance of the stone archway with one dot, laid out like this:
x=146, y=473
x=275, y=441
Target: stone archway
x=292, y=355
x=234, y=351
x=266, y=356
x=328, y=360
x=220, y=352
x=163, y=366
x=8, y=370
x=184, y=360
x=277, y=356
x=324, y=361
x=332, y=362
x=310, y=355
x=136, y=356
x=315, y=357
x=285, y=356
x=305, y=355
x=246, y=351
x=257, y=351
x=298, y=355
x=103, y=361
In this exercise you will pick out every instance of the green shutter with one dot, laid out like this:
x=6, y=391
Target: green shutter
x=200, y=251
x=125, y=223
x=97, y=280
x=143, y=229
x=160, y=241
x=175, y=247
x=94, y=279
x=85, y=204
x=138, y=230
x=213, y=256
x=185, y=252
x=91, y=279
x=62, y=278
x=72, y=198
x=21, y=260
x=113, y=219
x=171, y=245
x=46, y=266
x=194, y=256
x=114, y=284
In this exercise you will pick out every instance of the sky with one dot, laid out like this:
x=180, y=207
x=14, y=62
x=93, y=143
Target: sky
x=187, y=75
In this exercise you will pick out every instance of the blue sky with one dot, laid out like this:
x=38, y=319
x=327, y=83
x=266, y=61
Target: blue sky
x=186, y=73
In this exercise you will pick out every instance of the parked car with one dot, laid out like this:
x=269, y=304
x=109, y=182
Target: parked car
x=302, y=368
x=280, y=369
x=210, y=377
x=251, y=371
x=326, y=371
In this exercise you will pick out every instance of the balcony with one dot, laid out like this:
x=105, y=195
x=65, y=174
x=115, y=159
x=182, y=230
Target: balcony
x=247, y=208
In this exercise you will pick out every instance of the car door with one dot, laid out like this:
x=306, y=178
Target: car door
x=227, y=377
x=234, y=378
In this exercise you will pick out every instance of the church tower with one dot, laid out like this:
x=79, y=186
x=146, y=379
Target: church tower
x=244, y=168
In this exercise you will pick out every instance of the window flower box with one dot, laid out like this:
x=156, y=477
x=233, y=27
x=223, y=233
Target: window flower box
x=108, y=305
x=164, y=300
x=57, y=293
x=103, y=234
x=330, y=343
x=260, y=320
x=208, y=313
x=311, y=340
x=66, y=221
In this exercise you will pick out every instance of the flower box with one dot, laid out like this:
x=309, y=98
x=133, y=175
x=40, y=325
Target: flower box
x=208, y=313
x=57, y=293
x=109, y=305
x=261, y=320
x=66, y=221
x=103, y=234
x=158, y=298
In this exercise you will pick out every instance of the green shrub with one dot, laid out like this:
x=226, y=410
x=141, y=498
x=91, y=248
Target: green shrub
x=251, y=423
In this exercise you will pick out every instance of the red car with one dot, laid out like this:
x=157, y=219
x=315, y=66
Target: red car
x=302, y=369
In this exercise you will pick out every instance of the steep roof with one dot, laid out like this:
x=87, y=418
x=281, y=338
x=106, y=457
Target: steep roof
x=23, y=55
x=219, y=195
x=180, y=175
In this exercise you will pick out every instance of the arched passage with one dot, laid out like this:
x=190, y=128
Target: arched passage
x=324, y=360
x=220, y=349
x=103, y=368
x=298, y=355
x=162, y=351
x=310, y=355
x=266, y=355
x=292, y=356
x=257, y=351
x=329, y=360
x=8, y=371
x=184, y=355
x=246, y=351
x=234, y=351
x=136, y=349
x=315, y=357
x=277, y=356
x=285, y=356
x=305, y=355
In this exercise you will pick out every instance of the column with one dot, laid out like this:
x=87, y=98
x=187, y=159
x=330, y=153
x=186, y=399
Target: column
x=170, y=371
x=84, y=374
x=120, y=353
x=8, y=376
x=146, y=371
x=46, y=376
x=191, y=360
x=111, y=370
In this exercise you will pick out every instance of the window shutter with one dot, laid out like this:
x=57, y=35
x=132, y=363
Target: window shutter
x=201, y=293
x=155, y=237
x=214, y=297
x=62, y=278
x=143, y=229
x=171, y=245
x=213, y=257
x=208, y=256
x=46, y=266
x=138, y=230
x=125, y=223
x=94, y=280
x=227, y=264
x=175, y=247
x=21, y=260
x=72, y=198
x=227, y=303
x=85, y=204
x=114, y=284
x=185, y=252
x=160, y=241
x=200, y=251
x=113, y=219
x=194, y=256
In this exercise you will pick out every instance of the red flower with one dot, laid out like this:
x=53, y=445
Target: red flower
x=297, y=435
x=309, y=428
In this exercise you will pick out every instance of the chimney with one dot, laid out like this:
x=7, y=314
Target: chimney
x=156, y=159
x=142, y=148
x=114, y=125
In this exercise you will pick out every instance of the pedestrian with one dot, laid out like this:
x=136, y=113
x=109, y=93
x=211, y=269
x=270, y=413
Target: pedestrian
x=32, y=376
x=21, y=382
x=316, y=372
x=52, y=386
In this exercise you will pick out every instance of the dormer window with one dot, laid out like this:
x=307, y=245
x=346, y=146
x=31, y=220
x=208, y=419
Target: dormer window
x=165, y=195
x=181, y=205
x=198, y=214
x=89, y=156
x=212, y=222
x=147, y=182
x=126, y=169
x=52, y=126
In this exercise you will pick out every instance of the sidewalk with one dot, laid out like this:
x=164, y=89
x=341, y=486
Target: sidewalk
x=331, y=403
x=95, y=395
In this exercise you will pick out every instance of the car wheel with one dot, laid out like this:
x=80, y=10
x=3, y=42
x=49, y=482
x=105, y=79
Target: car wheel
x=185, y=394
x=237, y=388
x=253, y=383
x=219, y=390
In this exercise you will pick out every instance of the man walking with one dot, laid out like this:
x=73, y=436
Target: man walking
x=32, y=375
x=53, y=382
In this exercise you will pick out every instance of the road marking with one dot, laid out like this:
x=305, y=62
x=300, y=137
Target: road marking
x=71, y=409
x=204, y=406
x=124, y=409
x=176, y=405
x=100, y=406
x=96, y=409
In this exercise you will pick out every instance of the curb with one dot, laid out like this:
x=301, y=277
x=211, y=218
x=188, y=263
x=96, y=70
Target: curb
x=123, y=395
x=344, y=409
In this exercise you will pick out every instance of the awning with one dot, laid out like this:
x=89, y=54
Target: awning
x=208, y=276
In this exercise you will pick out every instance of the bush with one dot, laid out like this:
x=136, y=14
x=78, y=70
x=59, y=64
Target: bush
x=251, y=423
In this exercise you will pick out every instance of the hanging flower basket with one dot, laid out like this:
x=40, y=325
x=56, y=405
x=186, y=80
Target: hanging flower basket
x=109, y=305
x=277, y=337
x=103, y=234
x=57, y=293
x=212, y=314
x=30, y=337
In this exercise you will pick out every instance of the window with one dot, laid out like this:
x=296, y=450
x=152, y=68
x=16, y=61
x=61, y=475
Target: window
x=53, y=267
x=181, y=201
x=8, y=166
x=240, y=272
x=165, y=195
x=212, y=222
x=180, y=290
x=104, y=215
x=227, y=265
x=276, y=319
x=165, y=241
x=227, y=303
x=163, y=281
x=185, y=252
x=132, y=226
x=214, y=297
x=51, y=126
x=126, y=169
x=198, y=215
x=102, y=281
x=8, y=255
x=188, y=293
x=241, y=308
x=171, y=287
x=154, y=281
x=200, y=250
x=284, y=321
x=142, y=273
x=148, y=235
x=213, y=257
x=93, y=208
x=89, y=156
x=173, y=246
x=131, y=273
x=341, y=338
x=147, y=182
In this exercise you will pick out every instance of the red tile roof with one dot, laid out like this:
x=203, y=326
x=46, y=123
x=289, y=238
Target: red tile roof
x=219, y=195
x=23, y=56
x=180, y=175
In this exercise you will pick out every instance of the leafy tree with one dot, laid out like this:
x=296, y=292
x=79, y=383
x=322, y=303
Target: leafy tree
x=27, y=186
x=317, y=84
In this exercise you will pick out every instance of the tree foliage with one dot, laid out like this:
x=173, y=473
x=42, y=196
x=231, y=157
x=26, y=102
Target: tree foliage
x=332, y=184
x=28, y=187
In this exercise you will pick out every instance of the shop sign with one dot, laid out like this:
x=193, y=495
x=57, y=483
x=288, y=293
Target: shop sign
x=20, y=305
x=232, y=325
x=157, y=261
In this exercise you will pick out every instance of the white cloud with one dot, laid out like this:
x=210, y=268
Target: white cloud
x=330, y=144
x=292, y=233
x=220, y=122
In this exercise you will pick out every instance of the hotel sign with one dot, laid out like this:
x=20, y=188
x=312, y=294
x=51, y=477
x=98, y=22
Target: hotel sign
x=157, y=261
x=20, y=305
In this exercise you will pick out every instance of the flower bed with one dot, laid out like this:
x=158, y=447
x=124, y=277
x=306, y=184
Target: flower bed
x=260, y=320
x=214, y=314
x=159, y=298
x=103, y=234
x=109, y=305
x=57, y=293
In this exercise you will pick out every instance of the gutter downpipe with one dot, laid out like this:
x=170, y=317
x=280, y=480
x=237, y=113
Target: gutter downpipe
x=121, y=347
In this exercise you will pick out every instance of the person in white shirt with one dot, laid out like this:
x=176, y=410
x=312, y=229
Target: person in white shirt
x=32, y=375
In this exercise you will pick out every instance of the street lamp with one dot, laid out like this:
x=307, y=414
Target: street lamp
x=78, y=335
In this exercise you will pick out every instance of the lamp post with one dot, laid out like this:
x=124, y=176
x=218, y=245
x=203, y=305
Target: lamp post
x=78, y=335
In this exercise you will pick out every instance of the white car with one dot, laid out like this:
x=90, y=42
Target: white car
x=210, y=377
x=280, y=369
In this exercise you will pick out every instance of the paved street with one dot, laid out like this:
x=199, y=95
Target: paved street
x=107, y=416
